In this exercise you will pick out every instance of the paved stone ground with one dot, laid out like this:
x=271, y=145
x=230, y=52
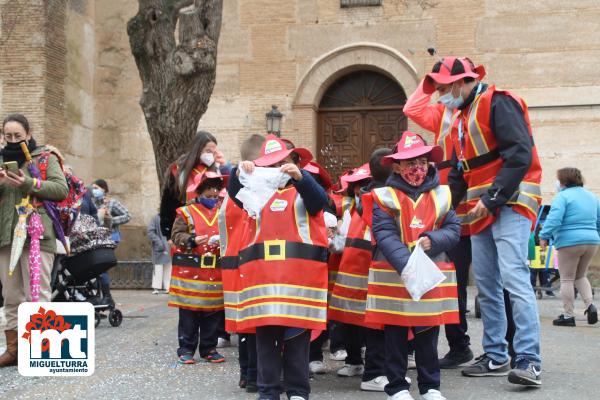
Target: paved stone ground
x=137, y=361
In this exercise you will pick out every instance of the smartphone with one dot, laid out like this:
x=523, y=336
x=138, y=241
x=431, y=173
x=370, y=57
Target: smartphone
x=11, y=166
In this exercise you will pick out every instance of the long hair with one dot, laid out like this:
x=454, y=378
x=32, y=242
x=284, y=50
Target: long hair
x=187, y=162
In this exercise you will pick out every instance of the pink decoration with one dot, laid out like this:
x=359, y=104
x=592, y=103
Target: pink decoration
x=35, y=229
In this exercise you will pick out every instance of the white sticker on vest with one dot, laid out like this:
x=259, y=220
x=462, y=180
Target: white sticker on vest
x=278, y=205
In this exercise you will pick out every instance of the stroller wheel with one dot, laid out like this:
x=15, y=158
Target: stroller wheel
x=97, y=316
x=115, y=317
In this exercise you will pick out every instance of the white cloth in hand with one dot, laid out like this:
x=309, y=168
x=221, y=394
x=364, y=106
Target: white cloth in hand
x=259, y=187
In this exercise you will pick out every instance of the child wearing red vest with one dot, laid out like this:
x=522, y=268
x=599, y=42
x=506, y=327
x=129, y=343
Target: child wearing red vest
x=283, y=270
x=196, y=287
x=413, y=206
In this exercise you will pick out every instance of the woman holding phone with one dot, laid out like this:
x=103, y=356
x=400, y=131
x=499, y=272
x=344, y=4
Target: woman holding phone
x=16, y=184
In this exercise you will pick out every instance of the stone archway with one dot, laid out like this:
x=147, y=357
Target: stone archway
x=335, y=64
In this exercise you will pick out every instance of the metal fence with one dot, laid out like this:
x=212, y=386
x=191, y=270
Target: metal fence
x=132, y=275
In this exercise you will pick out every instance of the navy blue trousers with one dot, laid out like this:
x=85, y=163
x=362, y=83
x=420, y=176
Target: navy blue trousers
x=247, y=357
x=274, y=354
x=198, y=329
x=426, y=357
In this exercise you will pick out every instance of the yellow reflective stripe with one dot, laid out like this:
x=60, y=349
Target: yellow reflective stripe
x=367, y=235
x=203, y=298
x=361, y=311
x=347, y=203
x=175, y=279
x=410, y=299
x=302, y=220
x=179, y=303
x=290, y=316
x=189, y=220
x=474, y=130
x=194, y=290
x=209, y=223
x=270, y=285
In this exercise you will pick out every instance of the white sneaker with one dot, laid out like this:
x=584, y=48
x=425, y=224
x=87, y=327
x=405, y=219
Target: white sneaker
x=411, y=362
x=374, y=385
x=297, y=398
x=155, y=291
x=351, y=370
x=433, y=394
x=339, y=355
x=317, y=367
x=363, y=352
x=223, y=343
x=403, y=395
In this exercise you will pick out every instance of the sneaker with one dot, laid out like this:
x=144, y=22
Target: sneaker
x=297, y=398
x=433, y=394
x=564, y=321
x=251, y=387
x=411, y=362
x=351, y=370
x=339, y=355
x=402, y=395
x=221, y=343
x=526, y=373
x=155, y=291
x=243, y=382
x=363, y=352
x=374, y=385
x=186, y=359
x=455, y=358
x=316, y=367
x=214, y=358
x=485, y=366
x=592, y=314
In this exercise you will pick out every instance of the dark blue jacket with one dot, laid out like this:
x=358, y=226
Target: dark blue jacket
x=386, y=231
x=88, y=207
x=313, y=195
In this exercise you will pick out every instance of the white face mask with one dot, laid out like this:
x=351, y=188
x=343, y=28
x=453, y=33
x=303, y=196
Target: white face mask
x=450, y=101
x=207, y=159
x=558, y=186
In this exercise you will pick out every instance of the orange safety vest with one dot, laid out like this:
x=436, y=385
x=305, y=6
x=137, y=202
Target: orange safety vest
x=343, y=203
x=349, y=296
x=196, y=276
x=283, y=266
x=388, y=301
x=233, y=222
x=443, y=138
x=480, y=141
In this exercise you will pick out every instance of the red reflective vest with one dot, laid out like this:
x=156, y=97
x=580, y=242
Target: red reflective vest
x=343, y=203
x=388, y=302
x=196, y=276
x=233, y=222
x=480, y=141
x=283, y=266
x=349, y=296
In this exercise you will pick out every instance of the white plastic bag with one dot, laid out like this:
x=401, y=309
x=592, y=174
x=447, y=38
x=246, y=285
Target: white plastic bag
x=420, y=274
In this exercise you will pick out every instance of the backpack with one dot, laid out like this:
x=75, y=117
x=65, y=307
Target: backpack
x=68, y=209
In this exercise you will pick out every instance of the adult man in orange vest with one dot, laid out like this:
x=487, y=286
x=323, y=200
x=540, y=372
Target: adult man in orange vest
x=497, y=167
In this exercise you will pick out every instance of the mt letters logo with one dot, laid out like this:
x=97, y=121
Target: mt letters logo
x=56, y=339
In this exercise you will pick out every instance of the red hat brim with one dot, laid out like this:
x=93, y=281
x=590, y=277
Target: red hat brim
x=206, y=176
x=276, y=156
x=317, y=169
x=435, y=153
x=444, y=79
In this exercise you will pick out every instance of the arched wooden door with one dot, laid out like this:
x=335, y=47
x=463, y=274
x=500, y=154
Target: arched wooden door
x=359, y=113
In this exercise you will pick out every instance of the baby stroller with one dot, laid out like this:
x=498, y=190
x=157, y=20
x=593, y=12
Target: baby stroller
x=77, y=277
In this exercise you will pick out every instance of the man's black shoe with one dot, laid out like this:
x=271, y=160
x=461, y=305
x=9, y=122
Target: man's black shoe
x=455, y=358
x=562, y=321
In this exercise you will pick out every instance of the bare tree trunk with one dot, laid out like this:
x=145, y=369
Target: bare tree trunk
x=177, y=79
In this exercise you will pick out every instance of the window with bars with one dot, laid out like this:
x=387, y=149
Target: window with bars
x=359, y=3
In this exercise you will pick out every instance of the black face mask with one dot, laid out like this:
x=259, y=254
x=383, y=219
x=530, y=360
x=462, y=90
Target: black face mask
x=13, y=152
